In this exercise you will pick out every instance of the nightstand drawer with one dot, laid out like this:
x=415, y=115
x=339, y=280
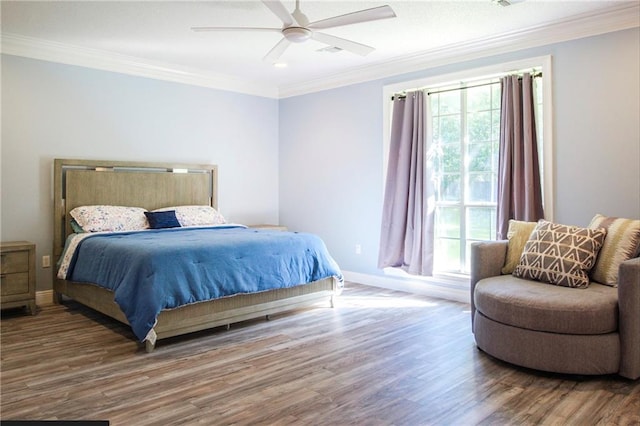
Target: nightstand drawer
x=18, y=275
x=14, y=262
x=17, y=283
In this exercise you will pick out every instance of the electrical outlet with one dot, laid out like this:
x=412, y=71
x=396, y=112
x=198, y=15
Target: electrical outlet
x=46, y=261
x=358, y=249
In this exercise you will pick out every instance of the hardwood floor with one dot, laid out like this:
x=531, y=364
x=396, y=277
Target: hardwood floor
x=379, y=358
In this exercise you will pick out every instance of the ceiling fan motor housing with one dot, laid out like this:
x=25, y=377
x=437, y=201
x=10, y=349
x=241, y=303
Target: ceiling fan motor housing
x=296, y=34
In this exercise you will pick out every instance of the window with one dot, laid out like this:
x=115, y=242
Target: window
x=463, y=149
x=463, y=126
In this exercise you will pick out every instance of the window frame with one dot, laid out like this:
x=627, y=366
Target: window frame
x=544, y=63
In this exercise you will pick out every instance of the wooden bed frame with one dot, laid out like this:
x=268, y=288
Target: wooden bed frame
x=152, y=186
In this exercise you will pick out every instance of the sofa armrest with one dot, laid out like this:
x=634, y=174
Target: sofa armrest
x=629, y=320
x=487, y=260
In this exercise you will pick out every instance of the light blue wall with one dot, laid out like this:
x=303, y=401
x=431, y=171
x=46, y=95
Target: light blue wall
x=331, y=168
x=53, y=110
x=331, y=174
x=313, y=162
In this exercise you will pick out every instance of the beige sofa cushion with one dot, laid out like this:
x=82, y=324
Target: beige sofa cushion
x=621, y=243
x=538, y=306
x=518, y=235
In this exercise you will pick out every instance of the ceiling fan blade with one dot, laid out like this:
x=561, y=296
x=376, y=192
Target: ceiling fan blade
x=203, y=29
x=381, y=12
x=280, y=11
x=277, y=51
x=351, y=46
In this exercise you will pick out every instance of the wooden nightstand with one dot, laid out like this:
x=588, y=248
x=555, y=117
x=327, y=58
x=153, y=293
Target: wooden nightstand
x=269, y=227
x=18, y=275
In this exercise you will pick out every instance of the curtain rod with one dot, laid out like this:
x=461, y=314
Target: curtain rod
x=403, y=95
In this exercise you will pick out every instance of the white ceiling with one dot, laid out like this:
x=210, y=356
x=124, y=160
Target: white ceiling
x=156, y=35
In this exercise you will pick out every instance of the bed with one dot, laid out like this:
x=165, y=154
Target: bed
x=154, y=186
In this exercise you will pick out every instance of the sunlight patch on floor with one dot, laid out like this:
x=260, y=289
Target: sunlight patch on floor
x=382, y=302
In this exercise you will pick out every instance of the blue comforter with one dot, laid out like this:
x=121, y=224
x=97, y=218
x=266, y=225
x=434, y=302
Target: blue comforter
x=154, y=270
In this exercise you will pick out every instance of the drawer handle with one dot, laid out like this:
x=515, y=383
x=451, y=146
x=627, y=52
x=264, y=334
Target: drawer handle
x=2, y=276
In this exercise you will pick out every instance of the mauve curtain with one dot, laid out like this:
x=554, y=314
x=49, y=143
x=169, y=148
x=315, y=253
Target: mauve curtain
x=406, y=239
x=519, y=188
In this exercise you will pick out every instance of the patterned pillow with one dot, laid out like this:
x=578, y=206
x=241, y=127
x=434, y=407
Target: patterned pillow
x=109, y=218
x=560, y=254
x=196, y=215
x=518, y=235
x=622, y=243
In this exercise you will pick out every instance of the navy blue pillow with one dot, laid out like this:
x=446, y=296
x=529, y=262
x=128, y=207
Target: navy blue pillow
x=165, y=219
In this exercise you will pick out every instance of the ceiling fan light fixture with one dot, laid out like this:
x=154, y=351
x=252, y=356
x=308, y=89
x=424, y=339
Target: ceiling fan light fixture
x=296, y=34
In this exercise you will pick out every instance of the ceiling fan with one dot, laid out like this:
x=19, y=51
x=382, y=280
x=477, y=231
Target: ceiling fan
x=296, y=28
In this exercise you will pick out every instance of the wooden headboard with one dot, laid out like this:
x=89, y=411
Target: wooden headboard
x=125, y=183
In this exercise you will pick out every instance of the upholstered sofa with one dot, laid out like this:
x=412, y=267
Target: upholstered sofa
x=534, y=324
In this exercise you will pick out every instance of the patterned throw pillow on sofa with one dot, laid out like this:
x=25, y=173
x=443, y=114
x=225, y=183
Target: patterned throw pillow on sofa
x=621, y=243
x=560, y=254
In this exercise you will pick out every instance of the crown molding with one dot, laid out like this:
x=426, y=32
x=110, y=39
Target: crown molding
x=619, y=18
x=35, y=48
x=623, y=17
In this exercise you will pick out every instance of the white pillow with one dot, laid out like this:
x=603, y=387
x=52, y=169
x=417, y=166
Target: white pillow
x=196, y=215
x=110, y=218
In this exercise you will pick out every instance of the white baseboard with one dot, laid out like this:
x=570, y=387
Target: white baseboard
x=416, y=286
